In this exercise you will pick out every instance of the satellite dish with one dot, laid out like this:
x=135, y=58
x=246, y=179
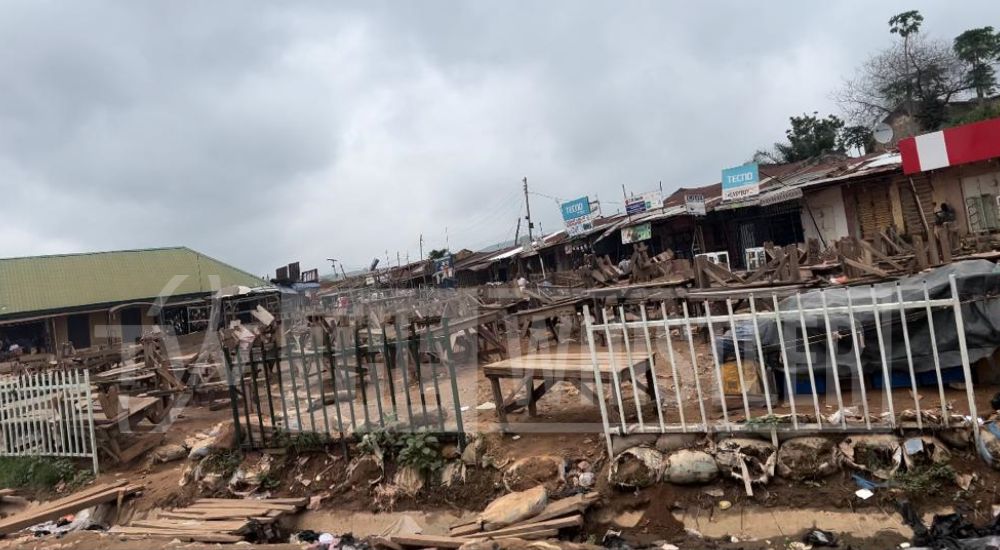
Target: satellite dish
x=882, y=133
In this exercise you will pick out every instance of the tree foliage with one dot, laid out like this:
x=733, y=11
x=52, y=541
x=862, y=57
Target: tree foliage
x=809, y=137
x=438, y=253
x=980, y=50
x=858, y=138
x=916, y=75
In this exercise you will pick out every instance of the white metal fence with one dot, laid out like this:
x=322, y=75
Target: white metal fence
x=780, y=366
x=48, y=413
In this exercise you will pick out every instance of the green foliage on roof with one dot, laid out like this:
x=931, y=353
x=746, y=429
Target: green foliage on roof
x=46, y=283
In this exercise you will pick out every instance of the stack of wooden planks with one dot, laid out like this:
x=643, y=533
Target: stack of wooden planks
x=560, y=514
x=220, y=520
x=80, y=500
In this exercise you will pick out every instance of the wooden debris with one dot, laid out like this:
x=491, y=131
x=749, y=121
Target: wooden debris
x=221, y=520
x=559, y=514
x=92, y=496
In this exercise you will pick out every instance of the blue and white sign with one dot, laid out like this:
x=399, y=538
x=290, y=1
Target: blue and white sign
x=574, y=209
x=740, y=182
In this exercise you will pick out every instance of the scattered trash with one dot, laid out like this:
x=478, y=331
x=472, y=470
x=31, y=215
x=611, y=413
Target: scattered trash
x=989, y=444
x=881, y=455
x=803, y=458
x=586, y=479
x=487, y=406
x=169, y=453
x=717, y=493
x=950, y=531
x=867, y=484
x=725, y=505
x=819, y=537
x=409, y=480
x=864, y=494
x=747, y=460
x=924, y=451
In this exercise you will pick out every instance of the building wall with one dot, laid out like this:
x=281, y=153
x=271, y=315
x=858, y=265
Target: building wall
x=828, y=219
x=960, y=185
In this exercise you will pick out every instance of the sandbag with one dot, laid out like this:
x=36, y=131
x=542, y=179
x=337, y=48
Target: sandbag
x=807, y=458
x=880, y=454
x=687, y=466
x=636, y=468
x=514, y=507
x=741, y=457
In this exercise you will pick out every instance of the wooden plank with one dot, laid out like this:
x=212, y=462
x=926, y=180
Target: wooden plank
x=878, y=254
x=866, y=268
x=145, y=532
x=576, y=520
x=430, y=541
x=530, y=535
x=63, y=506
x=144, y=444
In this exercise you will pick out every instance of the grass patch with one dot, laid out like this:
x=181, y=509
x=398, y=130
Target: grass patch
x=223, y=462
x=924, y=480
x=40, y=473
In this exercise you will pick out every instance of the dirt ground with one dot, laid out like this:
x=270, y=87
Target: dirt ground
x=569, y=427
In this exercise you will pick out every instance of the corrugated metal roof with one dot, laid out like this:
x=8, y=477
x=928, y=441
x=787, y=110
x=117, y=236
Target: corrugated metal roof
x=52, y=283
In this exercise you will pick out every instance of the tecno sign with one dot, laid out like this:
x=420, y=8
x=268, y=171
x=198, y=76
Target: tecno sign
x=740, y=182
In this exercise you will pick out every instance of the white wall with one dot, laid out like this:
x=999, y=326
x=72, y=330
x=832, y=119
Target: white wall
x=827, y=206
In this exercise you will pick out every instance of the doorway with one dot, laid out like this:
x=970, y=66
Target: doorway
x=131, y=322
x=78, y=330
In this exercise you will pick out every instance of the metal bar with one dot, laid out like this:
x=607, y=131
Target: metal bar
x=413, y=343
x=694, y=366
x=390, y=379
x=760, y=355
x=964, y=350
x=885, y=364
x=5, y=425
x=856, y=344
x=450, y=365
x=739, y=359
x=718, y=367
x=833, y=360
x=809, y=361
x=281, y=385
x=613, y=365
x=652, y=366
x=937, y=360
x=347, y=376
x=370, y=355
x=332, y=359
x=295, y=383
x=631, y=369
x=909, y=356
x=890, y=307
x=673, y=369
x=246, y=400
x=400, y=364
x=434, y=378
x=267, y=382
x=318, y=359
x=598, y=383
x=255, y=388
x=81, y=394
x=70, y=403
x=90, y=421
x=306, y=368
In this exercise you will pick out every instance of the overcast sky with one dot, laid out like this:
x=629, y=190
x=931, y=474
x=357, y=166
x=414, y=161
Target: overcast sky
x=266, y=132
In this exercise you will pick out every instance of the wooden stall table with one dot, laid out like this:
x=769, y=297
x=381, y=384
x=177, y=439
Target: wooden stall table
x=576, y=368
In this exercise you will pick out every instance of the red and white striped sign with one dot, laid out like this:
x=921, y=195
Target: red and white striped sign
x=951, y=146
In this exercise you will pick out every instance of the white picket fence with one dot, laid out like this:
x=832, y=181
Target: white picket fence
x=821, y=347
x=48, y=414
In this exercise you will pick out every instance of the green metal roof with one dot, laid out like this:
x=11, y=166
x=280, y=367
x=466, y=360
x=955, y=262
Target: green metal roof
x=40, y=284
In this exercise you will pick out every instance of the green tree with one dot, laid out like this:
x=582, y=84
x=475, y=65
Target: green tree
x=980, y=50
x=811, y=136
x=915, y=76
x=858, y=138
x=436, y=254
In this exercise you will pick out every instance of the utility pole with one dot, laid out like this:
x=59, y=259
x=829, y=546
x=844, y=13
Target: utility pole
x=421, y=247
x=447, y=245
x=517, y=232
x=527, y=209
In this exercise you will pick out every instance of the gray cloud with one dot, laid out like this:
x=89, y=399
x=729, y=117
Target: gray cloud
x=269, y=132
